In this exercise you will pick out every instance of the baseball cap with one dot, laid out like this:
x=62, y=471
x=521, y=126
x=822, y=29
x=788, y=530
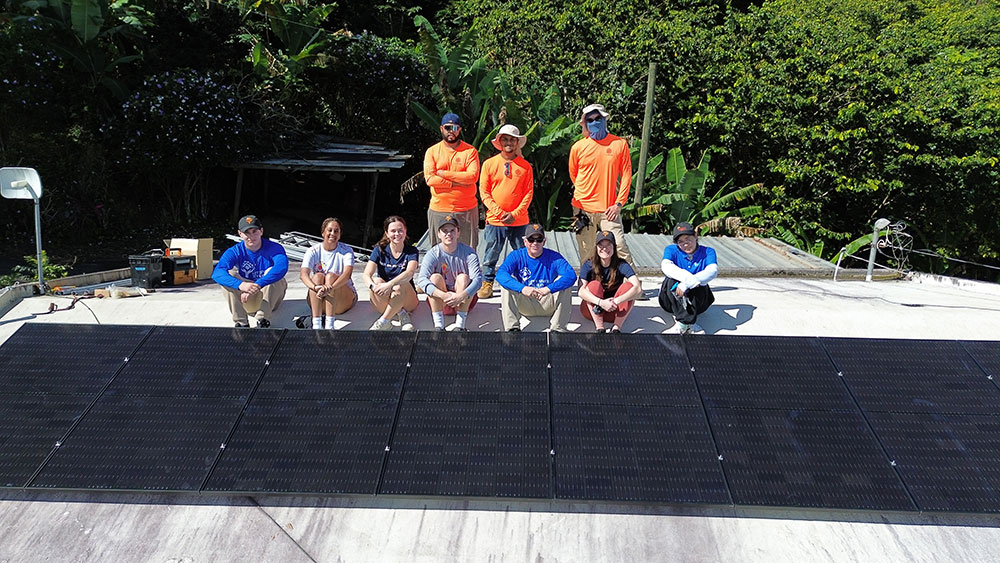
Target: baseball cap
x=605, y=235
x=248, y=222
x=449, y=220
x=534, y=229
x=683, y=228
x=451, y=118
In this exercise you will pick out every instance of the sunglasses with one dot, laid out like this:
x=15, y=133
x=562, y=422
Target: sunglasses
x=452, y=127
x=536, y=239
x=595, y=119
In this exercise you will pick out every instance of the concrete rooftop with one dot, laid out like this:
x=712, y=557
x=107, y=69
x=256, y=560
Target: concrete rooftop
x=86, y=526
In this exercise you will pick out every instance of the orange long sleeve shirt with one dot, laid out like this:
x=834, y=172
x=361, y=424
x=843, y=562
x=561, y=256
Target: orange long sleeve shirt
x=506, y=189
x=452, y=174
x=601, y=172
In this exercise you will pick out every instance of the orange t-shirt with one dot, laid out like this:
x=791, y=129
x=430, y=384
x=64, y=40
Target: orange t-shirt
x=601, y=172
x=453, y=189
x=506, y=185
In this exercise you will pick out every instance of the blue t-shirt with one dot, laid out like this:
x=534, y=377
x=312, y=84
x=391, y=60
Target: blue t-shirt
x=390, y=267
x=252, y=265
x=702, y=257
x=549, y=270
x=588, y=274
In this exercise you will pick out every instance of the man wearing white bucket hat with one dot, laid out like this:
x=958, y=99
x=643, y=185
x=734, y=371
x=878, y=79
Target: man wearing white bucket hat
x=600, y=167
x=506, y=185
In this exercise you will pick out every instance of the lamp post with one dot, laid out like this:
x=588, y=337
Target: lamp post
x=24, y=183
x=879, y=225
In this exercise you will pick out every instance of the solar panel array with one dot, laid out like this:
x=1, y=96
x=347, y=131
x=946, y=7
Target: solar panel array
x=886, y=425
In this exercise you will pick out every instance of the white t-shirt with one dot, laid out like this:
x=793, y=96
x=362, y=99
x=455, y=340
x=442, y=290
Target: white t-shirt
x=318, y=260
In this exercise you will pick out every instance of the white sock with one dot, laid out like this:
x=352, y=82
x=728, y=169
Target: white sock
x=460, y=318
x=317, y=322
x=438, y=319
x=329, y=322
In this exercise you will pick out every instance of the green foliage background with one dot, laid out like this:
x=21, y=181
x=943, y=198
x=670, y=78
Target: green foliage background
x=836, y=111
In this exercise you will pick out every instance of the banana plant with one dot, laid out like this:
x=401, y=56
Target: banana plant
x=681, y=194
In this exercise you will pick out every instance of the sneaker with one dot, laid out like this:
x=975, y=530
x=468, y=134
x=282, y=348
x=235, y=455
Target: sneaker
x=695, y=329
x=242, y=325
x=615, y=330
x=405, y=324
x=682, y=328
x=263, y=323
x=300, y=321
x=514, y=329
x=381, y=324
x=462, y=329
x=486, y=290
x=600, y=330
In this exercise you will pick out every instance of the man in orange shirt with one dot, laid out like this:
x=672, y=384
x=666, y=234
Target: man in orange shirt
x=451, y=169
x=506, y=185
x=600, y=167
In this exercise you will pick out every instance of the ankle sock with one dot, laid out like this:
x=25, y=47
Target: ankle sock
x=460, y=318
x=438, y=319
x=330, y=322
x=317, y=322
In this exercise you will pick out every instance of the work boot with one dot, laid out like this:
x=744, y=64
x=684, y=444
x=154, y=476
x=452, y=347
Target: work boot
x=486, y=291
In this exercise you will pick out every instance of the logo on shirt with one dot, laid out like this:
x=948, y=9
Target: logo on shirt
x=525, y=272
x=248, y=270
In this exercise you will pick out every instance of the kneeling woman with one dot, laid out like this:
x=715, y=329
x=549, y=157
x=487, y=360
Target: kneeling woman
x=607, y=290
x=326, y=273
x=389, y=275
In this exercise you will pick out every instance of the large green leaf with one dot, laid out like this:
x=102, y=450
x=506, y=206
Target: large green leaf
x=87, y=19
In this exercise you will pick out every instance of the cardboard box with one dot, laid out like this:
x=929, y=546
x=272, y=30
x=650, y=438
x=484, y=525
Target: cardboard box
x=200, y=248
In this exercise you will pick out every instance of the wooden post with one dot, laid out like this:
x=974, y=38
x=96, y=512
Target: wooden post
x=369, y=217
x=239, y=194
x=644, y=149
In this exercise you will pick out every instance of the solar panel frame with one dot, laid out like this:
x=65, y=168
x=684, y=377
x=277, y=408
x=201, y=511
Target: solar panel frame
x=473, y=366
x=766, y=372
x=338, y=366
x=127, y=443
x=65, y=359
x=949, y=463
x=928, y=376
x=197, y=362
x=806, y=459
x=30, y=427
x=630, y=453
x=467, y=449
x=316, y=447
x=621, y=369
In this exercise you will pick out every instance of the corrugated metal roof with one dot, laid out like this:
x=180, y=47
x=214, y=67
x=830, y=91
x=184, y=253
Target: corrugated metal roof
x=744, y=257
x=333, y=156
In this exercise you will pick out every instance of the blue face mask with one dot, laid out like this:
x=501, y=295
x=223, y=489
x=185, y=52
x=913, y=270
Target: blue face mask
x=598, y=129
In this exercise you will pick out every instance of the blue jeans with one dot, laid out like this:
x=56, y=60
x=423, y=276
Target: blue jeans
x=495, y=237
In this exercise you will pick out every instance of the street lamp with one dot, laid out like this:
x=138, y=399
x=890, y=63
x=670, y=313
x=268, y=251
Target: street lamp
x=24, y=183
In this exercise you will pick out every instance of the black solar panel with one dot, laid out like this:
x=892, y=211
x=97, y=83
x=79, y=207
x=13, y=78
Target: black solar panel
x=470, y=449
x=68, y=359
x=949, y=462
x=636, y=453
x=30, y=426
x=766, y=372
x=323, y=364
x=805, y=459
x=987, y=355
x=306, y=446
x=142, y=444
x=634, y=369
x=927, y=376
x=188, y=362
x=479, y=366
